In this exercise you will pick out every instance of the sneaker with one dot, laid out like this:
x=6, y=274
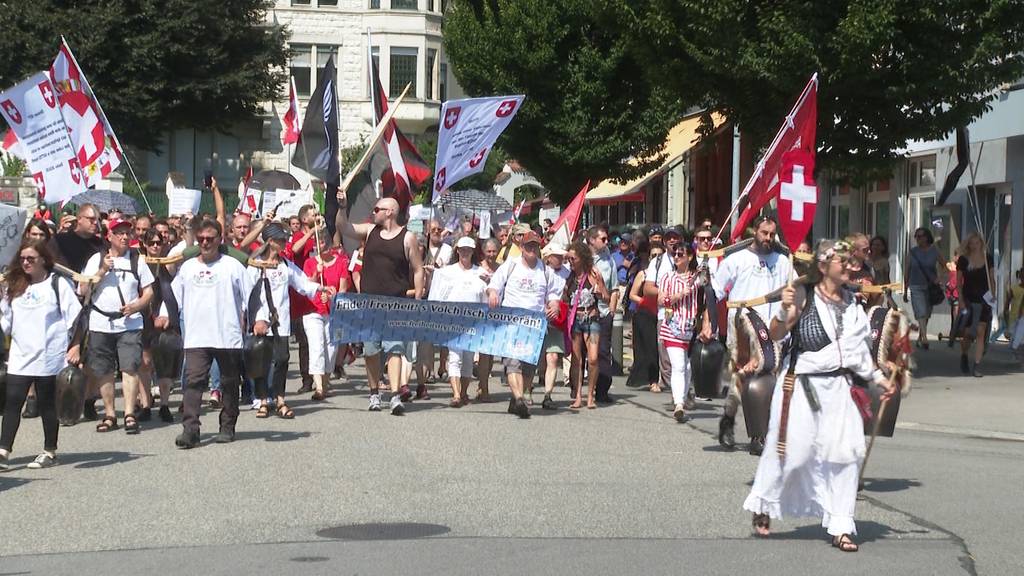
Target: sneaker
x=254, y=404
x=422, y=393
x=404, y=394
x=679, y=413
x=187, y=440
x=976, y=372
x=145, y=415
x=215, y=399
x=548, y=403
x=396, y=406
x=31, y=409
x=512, y=405
x=306, y=388
x=374, y=402
x=756, y=446
x=3, y=463
x=522, y=410
x=44, y=460
x=965, y=366
x=155, y=392
x=165, y=414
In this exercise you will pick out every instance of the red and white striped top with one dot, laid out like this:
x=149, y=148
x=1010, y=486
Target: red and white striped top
x=676, y=329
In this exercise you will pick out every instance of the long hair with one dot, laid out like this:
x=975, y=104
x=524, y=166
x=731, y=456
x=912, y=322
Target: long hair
x=966, y=250
x=37, y=223
x=17, y=279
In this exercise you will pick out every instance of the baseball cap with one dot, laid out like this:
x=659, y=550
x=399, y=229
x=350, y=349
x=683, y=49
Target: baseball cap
x=116, y=222
x=625, y=237
x=656, y=229
x=674, y=231
x=530, y=236
x=466, y=242
x=554, y=249
x=274, y=231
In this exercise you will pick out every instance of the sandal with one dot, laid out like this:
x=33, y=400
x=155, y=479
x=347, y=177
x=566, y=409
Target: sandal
x=131, y=424
x=845, y=543
x=655, y=388
x=455, y=403
x=285, y=412
x=761, y=524
x=318, y=396
x=263, y=411
x=107, y=424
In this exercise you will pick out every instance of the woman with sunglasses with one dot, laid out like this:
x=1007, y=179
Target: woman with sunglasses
x=37, y=310
x=582, y=290
x=822, y=435
x=677, y=294
x=154, y=246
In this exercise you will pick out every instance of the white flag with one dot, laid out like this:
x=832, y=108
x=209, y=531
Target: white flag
x=467, y=133
x=32, y=112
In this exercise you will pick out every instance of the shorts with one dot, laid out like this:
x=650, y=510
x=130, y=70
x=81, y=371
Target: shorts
x=513, y=366
x=107, y=352
x=585, y=325
x=920, y=303
x=387, y=347
x=554, y=341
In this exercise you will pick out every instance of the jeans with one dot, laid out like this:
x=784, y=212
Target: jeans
x=604, y=357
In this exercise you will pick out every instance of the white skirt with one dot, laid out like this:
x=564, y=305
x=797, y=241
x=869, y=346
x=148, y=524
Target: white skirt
x=824, y=451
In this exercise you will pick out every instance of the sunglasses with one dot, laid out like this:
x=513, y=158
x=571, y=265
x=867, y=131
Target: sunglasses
x=437, y=229
x=205, y=239
x=378, y=209
x=29, y=259
x=679, y=253
x=703, y=238
x=154, y=243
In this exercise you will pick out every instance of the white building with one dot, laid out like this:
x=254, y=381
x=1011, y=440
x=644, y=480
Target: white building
x=406, y=36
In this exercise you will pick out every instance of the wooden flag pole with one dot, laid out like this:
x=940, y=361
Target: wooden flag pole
x=378, y=134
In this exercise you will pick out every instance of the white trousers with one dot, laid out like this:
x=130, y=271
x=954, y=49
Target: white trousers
x=824, y=451
x=460, y=363
x=680, y=374
x=321, y=350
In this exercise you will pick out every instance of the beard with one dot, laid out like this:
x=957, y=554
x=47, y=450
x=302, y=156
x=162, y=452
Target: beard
x=763, y=247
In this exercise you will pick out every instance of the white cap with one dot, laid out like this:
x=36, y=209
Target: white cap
x=466, y=242
x=555, y=249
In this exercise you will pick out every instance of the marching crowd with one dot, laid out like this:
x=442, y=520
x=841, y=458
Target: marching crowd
x=213, y=302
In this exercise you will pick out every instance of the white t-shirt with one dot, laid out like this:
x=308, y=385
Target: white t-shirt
x=438, y=256
x=286, y=274
x=746, y=274
x=659, y=267
x=562, y=277
x=177, y=249
x=520, y=286
x=454, y=283
x=117, y=288
x=39, y=337
x=213, y=300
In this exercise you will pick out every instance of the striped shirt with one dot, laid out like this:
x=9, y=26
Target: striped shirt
x=675, y=327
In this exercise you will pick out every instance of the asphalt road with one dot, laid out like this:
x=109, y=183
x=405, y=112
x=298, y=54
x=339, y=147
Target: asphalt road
x=619, y=490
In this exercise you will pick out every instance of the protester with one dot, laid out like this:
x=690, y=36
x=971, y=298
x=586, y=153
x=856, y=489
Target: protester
x=329, y=267
x=391, y=266
x=460, y=282
x=122, y=292
x=656, y=270
x=141, y=224
x=678, y=294
x=46, y=308
x=823, y=449
x=597, y=238
x=155, y=246
x=923, y=273
x=645, y=370
x=583, y=289
x=880, y=259
x=623, y=256
x=272, y=278
x=73, y=249
x=488, y=266
x=213, y=293
x=523, y=282
x=437, y=255
x=297, y=250
x=554, y=348
x=37, y=231
x=244, y=233
x=974, y=270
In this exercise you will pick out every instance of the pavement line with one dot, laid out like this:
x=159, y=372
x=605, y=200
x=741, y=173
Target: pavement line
x=973, y=432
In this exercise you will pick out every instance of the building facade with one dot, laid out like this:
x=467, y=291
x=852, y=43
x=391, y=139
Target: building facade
x=406, y=43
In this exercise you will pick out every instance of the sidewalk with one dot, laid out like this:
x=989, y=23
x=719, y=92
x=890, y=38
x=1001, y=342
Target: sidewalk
x=942, y=399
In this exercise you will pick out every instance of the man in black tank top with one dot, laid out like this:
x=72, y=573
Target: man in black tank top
x=392, y=266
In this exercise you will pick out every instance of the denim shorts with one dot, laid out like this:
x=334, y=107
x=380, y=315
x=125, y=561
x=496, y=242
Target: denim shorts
x=586, y=325
x=387, y=346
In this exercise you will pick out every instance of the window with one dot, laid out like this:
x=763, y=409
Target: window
x=374, y=4
x=922, y=173
x=428, y=94
x=430, y=5
x=323, y=53
x=403, y=71
x=327, y=2
x=300, y=2
x=442, y=82
x=878, y=219
x=301, y=68
x=404, y=4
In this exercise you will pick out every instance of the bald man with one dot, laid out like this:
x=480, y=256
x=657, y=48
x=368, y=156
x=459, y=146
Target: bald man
x=391, y=266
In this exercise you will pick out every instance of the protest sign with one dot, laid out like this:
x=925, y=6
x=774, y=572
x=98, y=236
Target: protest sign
x=417, y=212
x=182, y=201
x=290, y=201
x=467, y=133
x=32, y=112
x=268, y=202
x=12, y=224
x=503, y=332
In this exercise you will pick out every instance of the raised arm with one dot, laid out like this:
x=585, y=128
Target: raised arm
x=218, y=204
x=342, y=225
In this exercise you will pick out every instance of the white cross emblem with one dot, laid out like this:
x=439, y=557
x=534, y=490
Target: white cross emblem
x=798, y=193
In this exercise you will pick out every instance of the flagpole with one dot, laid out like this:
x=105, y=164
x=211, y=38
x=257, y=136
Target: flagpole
x=124, y=153
x=378, y=134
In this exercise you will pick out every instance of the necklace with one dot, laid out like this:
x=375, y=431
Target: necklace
x=836, y=308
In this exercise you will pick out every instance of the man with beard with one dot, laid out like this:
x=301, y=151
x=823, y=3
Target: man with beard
x=744, y=275
x=73, y=249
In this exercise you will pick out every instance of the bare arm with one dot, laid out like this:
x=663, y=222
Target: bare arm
x=793, y=299
x=218, y=204
x=342, y=225
x=635, y=295
x=412, y=252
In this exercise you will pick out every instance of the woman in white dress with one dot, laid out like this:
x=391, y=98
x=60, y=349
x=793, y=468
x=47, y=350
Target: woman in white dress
x=817, y=472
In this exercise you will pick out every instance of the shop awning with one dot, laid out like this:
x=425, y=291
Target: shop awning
x=681, y=139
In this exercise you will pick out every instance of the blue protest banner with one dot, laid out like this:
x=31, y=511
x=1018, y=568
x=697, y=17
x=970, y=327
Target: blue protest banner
x=502, y=332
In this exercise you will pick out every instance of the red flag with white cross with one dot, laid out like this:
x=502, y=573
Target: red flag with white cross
x=798, y=196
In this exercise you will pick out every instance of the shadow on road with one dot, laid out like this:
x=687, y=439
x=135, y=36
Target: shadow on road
x=890, y=484
x=867, y=531
x=271, y=435
x=86, y=460
x=7, y=483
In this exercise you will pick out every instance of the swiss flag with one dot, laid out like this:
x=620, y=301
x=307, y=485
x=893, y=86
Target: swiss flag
x=798, y=196
x=12, y=145
x=798, y=132
x=292, y=128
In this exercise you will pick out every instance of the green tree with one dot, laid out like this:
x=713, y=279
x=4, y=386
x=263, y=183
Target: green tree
x=588, y=109
x=155, y=65
x=890, y=71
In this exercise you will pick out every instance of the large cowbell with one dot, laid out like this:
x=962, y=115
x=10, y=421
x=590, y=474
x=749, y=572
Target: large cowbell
x=757, y=403
x=892, y=409
x=70, y=395
x=258, y=353
x=167, y=354
x=706, y=360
